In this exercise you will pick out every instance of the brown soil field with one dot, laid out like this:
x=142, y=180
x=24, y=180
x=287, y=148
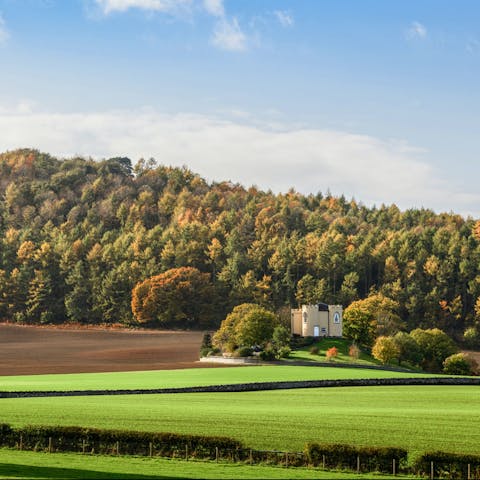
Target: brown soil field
x=28, y=350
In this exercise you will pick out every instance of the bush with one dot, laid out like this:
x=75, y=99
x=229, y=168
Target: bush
x=268, y=354
x=460, y=364
x=314, y=350
x=345, y=456
x=331, y=353
x=72, y=439
x=354, y=352
x=284, y=352
x=243, y=352
x=471, y=337
x=449, y=465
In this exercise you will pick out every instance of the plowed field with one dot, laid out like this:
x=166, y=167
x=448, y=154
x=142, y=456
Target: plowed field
x=29, y=350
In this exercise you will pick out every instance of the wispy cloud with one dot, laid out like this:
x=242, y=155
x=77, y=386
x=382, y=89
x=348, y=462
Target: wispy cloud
x=164, y=6
x=473, y=46
x=214, y=7
x=228, y=35
x=366, y=167
x=4, y=35
x=284, y=18
x=416, y=30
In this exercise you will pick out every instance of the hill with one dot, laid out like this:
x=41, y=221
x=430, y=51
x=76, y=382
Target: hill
x=77, y=235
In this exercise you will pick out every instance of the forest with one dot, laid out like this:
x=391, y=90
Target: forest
x=79, y=235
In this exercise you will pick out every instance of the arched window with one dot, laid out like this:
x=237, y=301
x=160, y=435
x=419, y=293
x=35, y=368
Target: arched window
x=305, y=317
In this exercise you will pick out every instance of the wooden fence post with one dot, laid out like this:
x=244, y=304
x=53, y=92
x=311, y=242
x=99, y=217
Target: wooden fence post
x=394, y=472
x=358, y=463
x=216, y=454
x=186, y=452
x=286, y=459
x=83, y=446
x=432, y=476
x=251, y=457
x=468, y=472
x=323, y=461
x=117, y=446
x=20, y=445
x=150, y=449
x=49, y=444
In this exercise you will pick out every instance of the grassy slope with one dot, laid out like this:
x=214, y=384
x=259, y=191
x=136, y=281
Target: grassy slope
x=14, y=464
x=418, y=418
x=324, y=344
x=187, y=377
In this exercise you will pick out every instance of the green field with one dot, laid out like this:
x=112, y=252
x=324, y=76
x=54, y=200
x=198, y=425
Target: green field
x=186, y=378
x=16, y=465
x=417, y=418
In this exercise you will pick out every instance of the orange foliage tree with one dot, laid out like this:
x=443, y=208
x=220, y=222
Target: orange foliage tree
x=180, y=297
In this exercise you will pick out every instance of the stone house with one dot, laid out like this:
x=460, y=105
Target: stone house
x=319, y=320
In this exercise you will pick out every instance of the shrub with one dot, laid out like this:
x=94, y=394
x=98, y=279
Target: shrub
x=314, y=350
x=205, y=352
x=243, y=352
x=345, y=456
x=354, y=352
x=331, y=353
x=471, y=337
x=460, y=364
x=71, y=439
x=448, y=465
x=267, y=354
x=284, y=352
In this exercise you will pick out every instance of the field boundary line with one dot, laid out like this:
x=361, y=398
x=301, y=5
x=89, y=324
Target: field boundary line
x=254, y=387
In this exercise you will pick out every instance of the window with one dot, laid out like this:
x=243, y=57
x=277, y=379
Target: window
x=305, y=317
x=336, y=317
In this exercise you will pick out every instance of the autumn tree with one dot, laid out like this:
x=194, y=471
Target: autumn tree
x=385, y=349
x=180, y=297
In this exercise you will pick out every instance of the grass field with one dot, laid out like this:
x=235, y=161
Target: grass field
x=417, y=418
x=16, y=465
x=185, y=378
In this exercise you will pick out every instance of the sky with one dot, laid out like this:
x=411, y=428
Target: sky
x=377, y=100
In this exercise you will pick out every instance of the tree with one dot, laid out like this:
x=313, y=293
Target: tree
x=359, y=325
x=408, y=349
x=180, y=297
x=436, y=346
x=385, y=349
x=460, y=364
x=364, y=319
x=247, y=325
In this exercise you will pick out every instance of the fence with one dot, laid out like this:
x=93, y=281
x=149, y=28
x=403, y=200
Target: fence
x=436, y=465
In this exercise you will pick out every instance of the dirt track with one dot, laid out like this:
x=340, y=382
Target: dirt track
x=30, y=350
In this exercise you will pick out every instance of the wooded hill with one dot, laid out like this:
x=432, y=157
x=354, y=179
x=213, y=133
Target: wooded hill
x=77, y=235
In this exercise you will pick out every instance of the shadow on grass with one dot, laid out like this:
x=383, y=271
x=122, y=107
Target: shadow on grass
x=8, y=470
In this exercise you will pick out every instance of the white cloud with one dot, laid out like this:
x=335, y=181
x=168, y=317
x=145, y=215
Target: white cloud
x=416, y=30
x=228, y=35
x=284, y=18
x=164, y=6
x=310, y=160
x=4, y=35
x=214, y=7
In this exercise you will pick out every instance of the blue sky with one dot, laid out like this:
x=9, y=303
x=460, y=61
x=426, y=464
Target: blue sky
x=374, y=99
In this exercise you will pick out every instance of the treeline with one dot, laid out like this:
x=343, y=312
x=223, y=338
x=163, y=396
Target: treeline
x=78, y=235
